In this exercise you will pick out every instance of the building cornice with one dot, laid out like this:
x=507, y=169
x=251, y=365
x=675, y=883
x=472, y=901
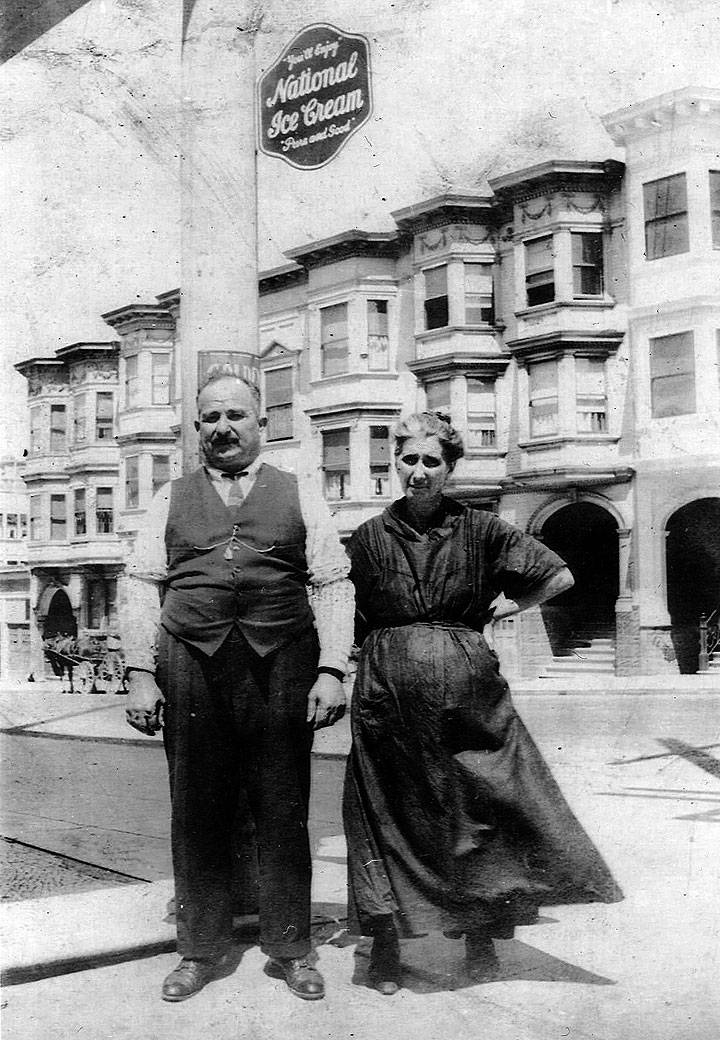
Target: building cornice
x=558, y=175
x=565, y=341
x=136, y=316
x=287, y=276
x=664, y=110
x=564, y=477
x=459, y=364
x=85, y=351
x=446, y=209
x=353, y=243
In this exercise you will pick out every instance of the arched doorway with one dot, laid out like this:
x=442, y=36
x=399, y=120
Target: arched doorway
x=586, y=536
x=692, y=556
x=60, y=620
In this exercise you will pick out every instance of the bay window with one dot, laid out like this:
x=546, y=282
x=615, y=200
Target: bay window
x=132, y=382
x=80, y=418
x=160, y=471
x=437, y=394
x=160, y=378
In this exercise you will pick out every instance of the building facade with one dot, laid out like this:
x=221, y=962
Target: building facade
x=14, y=573
x=568, y=318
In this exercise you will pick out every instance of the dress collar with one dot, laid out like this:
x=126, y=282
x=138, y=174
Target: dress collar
x=217, y=475
x=395, y=518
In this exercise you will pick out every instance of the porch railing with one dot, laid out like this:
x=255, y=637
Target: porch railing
x=709, y=626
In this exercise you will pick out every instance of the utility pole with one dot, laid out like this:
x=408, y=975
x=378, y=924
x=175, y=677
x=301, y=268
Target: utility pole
x=219, y=269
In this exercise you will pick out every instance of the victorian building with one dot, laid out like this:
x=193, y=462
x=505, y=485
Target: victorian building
x=14, y=573
x=568, y=320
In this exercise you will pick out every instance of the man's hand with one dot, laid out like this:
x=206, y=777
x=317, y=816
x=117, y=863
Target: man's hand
x=144, y=709
x=326, y=701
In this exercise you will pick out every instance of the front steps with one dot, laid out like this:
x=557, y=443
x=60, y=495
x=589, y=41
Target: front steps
x=590, y=653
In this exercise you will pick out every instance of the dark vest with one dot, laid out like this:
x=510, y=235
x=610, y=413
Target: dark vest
x=262, y=588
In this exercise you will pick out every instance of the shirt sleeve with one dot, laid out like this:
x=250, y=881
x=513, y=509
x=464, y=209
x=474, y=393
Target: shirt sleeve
x=331, y=594
x=517, y=562
x=139, y=599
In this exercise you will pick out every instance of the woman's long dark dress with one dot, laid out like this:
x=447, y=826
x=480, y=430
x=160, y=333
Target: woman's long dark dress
x=453, y=820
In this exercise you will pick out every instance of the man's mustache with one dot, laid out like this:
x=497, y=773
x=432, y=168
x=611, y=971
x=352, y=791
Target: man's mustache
x=224, y=438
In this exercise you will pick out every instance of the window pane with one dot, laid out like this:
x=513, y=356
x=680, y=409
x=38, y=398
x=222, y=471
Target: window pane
x=587, y=264
x=80, y=418
x=104, y=408
x=672, y=375
x=666, y=237
x=379, y=446
x=58, y=518
x=104, y=510
x=35, y=518
x=539, y=271
x=35, y=430
x=279, y=423
x=160, y=471
x=436, y=300
x=79, y=511
x=435, y=282
x=278, y=386
x=131, y=381
x=161, y=379
x=438, y=395
x=665, y=196
x=539, y=255
x=334, y=339
x=378, y=340
x=543, y=379
x=57, y=427
x=478, y=294
x=132, y=484
x=715, y=207
x=336, y=463
x=377, y=317
x=543, y=419
x=666, y=225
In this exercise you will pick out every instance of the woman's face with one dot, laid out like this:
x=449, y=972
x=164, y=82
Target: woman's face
x=422, y=470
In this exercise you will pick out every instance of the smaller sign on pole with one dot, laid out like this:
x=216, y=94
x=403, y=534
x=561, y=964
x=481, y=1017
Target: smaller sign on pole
x=315, y=96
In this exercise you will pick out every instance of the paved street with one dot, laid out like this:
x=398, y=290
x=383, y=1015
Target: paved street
x=641, y=771
x=91, y=804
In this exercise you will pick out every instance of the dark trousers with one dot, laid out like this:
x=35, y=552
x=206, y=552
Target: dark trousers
x=236, y=738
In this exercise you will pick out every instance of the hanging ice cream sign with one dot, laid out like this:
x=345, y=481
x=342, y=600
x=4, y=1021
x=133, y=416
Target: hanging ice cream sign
x=315, y=96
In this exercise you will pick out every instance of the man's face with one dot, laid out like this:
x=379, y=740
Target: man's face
x=229, y=425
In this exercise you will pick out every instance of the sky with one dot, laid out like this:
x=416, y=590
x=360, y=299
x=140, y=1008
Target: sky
x=90, y=136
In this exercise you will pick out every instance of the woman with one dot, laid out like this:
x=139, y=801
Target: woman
x=453, y=820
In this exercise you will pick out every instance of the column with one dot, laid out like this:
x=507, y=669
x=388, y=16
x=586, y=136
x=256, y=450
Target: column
x=219, y=309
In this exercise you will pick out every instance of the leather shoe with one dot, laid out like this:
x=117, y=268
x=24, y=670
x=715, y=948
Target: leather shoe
x=187, y=979
x=303, y=980
x=384, y=970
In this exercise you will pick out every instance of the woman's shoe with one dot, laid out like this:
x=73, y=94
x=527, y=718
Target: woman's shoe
x=384, y=971
x=480, y=958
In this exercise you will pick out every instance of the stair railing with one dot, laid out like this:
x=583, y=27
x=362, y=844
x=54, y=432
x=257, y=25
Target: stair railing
x=709, y=628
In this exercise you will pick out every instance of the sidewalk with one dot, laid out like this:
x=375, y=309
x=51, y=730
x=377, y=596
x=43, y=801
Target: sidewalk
x=43, y=709
x=643, y=774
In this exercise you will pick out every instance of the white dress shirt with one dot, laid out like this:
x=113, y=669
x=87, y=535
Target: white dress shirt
x=330, y=592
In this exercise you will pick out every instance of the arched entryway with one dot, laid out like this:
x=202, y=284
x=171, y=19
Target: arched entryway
x=586, y=536
x=60, y=620
x=692, y=557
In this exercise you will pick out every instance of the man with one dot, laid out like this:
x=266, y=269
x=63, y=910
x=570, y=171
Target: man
x=244, y=669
